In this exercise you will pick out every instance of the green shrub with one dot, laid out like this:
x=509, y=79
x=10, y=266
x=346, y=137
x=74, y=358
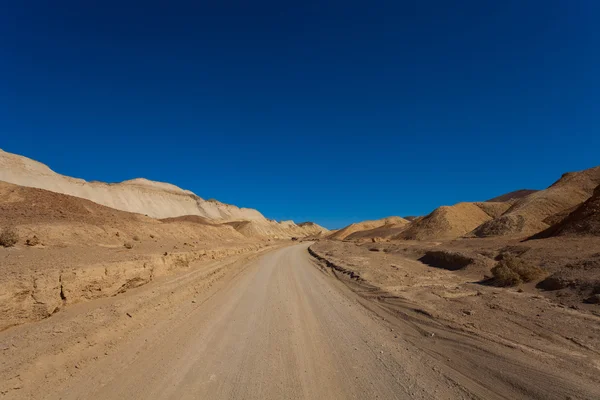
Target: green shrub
x=9, y=237
x=511, y=271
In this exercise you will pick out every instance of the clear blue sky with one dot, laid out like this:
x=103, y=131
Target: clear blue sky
x=325, y=111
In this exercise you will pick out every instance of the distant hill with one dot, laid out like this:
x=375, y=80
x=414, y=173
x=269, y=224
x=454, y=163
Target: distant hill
x=272, y=229
x=512, y=196
x=353, y=229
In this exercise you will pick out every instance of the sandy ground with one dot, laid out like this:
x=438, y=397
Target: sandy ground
x=278, y=324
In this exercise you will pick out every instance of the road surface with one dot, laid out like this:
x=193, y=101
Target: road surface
x=285, y=327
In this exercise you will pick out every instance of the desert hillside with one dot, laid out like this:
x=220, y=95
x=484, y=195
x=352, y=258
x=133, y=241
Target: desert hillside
x=516, y=214
x=367, y=225
x=512, y=196
x=448, y=222
x=284, y=229
x=583, y=221
x=155, y=199
x=59, y=220
x=528, y=215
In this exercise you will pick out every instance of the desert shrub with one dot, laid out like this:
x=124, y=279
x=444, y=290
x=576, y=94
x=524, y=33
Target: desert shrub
x=34, y=241
x=511, y=271
x=136, y=238
x=445, y=259
x=128, y=245
x=504, y=276
x=9, y=237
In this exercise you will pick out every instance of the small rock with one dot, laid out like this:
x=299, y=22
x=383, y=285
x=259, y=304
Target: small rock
x=468, y=312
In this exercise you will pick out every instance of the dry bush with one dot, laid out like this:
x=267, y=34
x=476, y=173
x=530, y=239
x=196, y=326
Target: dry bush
x=445, y=259
x=34, y=241
x=128, y=245
x=511, y=271
x=136, y=238
x=9, y=237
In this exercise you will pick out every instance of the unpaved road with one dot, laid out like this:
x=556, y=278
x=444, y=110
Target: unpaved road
x=287, y=328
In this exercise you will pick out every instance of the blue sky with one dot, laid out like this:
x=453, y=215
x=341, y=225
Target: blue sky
x=325, y=111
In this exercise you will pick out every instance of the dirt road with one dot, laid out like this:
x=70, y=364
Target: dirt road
x=287, y=328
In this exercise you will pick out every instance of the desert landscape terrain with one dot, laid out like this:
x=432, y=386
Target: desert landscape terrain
x=141, y=289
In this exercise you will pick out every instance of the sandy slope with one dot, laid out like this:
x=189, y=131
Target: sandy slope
x=584, y=220
x=273, y=229
x=529, y=214
x=155, y=199
x=449, y=222
x=278, y=326
x=344, y=233
x=512, y=197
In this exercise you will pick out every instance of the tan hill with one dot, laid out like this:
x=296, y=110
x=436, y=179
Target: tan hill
x=313, y=229
x=511, y=197
x=59, y=219
x=344, y=233
x=155, y=199
x=448, y=222
x=583, y=221
x=276, y=230
x=527, y=215
x=386, y=231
